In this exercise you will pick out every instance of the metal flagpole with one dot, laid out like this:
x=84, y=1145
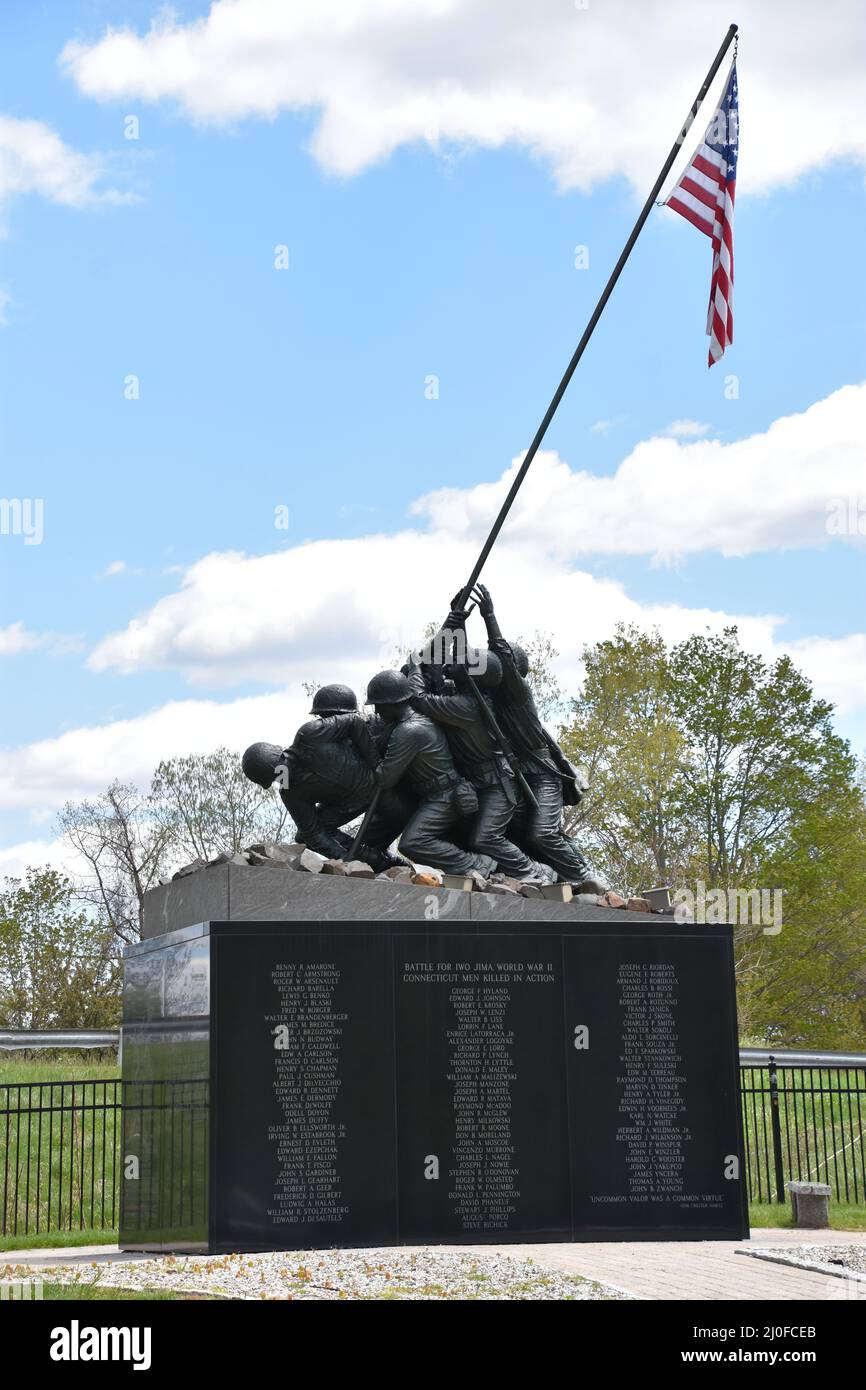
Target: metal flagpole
x=561, y=389
x=596, y=315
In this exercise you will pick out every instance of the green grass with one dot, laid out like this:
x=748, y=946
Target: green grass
x=60, y=1142
x=844, y=1216
x=57, y=1240
x=58, y=1066
x=90, y=1293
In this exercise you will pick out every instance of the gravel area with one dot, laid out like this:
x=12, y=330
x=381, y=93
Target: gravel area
x=844, y=1260
x=340, y=1274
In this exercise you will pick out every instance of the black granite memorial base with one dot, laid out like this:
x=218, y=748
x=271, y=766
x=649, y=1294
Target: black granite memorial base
x=293, y=1085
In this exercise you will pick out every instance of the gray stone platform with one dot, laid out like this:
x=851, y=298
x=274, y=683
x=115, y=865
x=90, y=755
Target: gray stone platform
x=265, y=893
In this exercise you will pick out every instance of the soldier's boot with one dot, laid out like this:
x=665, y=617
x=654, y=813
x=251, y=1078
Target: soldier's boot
x=541, y=873
x=382, y=859
x=483, y=864
x=333, y=846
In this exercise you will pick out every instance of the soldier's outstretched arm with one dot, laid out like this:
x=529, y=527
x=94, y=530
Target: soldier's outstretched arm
x=512, y=682
x=444, y=709
x=481, y=594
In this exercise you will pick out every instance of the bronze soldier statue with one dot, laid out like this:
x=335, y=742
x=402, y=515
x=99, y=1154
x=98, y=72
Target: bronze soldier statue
x=474, y=748
x=418, y=752
x=329, y=776
x=538, y=829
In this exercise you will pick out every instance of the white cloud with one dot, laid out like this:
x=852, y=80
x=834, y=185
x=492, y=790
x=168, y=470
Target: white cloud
x=34, y=159
x=81, y=762
x=5, y=301
x=352, y=618
x=355, y=601
x=667, y=499
x=593, y=91
x=339, y=609
x=229, y=621
x=687, y=429
x=16, y=639
x=836, y=666
x=116, y=567
x=17, y=858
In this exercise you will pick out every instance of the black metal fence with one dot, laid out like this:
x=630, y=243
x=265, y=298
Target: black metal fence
x=60, y=1161
x=803, y=1120
x=60, y=1154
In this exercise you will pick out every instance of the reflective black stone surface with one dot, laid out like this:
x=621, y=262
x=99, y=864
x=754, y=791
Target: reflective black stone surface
x=166, y=1094
x=402, y=1082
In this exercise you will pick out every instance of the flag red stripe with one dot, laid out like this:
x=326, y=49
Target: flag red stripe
x=698, y=191
x=704, y=195
x=712, y=171
x=690, y=216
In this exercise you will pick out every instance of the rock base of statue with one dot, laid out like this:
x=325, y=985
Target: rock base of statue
x=303, y=1084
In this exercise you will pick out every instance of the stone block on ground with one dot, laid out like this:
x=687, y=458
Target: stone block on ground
x=334, y=866
x=356, y=868
x=513, y=884
x=811, y=1204
x=398, y=873
x=462, y=883
x=288, y=853
x=427, y=879
x=611, y=899
x=638, y=905
x=659, y=899
x=191, y=868
x=593, y=887
x=311, y=861
x=530, y=890
x=556, y=892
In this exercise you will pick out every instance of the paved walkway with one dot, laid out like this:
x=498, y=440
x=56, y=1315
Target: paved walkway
x=681, y=1270
x=688, y=1270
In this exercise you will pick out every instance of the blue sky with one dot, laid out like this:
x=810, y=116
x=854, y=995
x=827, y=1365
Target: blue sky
x=305, y=387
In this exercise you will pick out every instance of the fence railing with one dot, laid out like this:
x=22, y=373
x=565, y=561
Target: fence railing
x=60, y=1142
x=804, y=1122
x=58, y=1039
x=60, y=1154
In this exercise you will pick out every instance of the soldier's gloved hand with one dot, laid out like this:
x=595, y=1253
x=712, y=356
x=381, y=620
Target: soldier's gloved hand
x=481, y=594
x=456, y=618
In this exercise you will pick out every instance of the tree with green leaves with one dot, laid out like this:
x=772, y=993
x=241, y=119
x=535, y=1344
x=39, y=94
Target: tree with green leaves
x=59, y=966
x=634, y=752
x=763, y=749
x=707, y=763
x=806, y=986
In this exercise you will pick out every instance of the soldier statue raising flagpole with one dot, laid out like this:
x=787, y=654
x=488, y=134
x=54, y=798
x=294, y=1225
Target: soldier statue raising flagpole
x=455, y=765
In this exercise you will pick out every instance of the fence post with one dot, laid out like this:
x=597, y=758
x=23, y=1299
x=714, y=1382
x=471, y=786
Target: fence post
x=777, y=1130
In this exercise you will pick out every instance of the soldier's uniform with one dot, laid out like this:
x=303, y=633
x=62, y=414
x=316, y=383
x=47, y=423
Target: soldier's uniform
x=331, y=773
x=538, y=830
x=419, y=756
x=478, y=760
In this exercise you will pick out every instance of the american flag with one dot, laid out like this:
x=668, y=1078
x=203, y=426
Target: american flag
x=705, y=195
